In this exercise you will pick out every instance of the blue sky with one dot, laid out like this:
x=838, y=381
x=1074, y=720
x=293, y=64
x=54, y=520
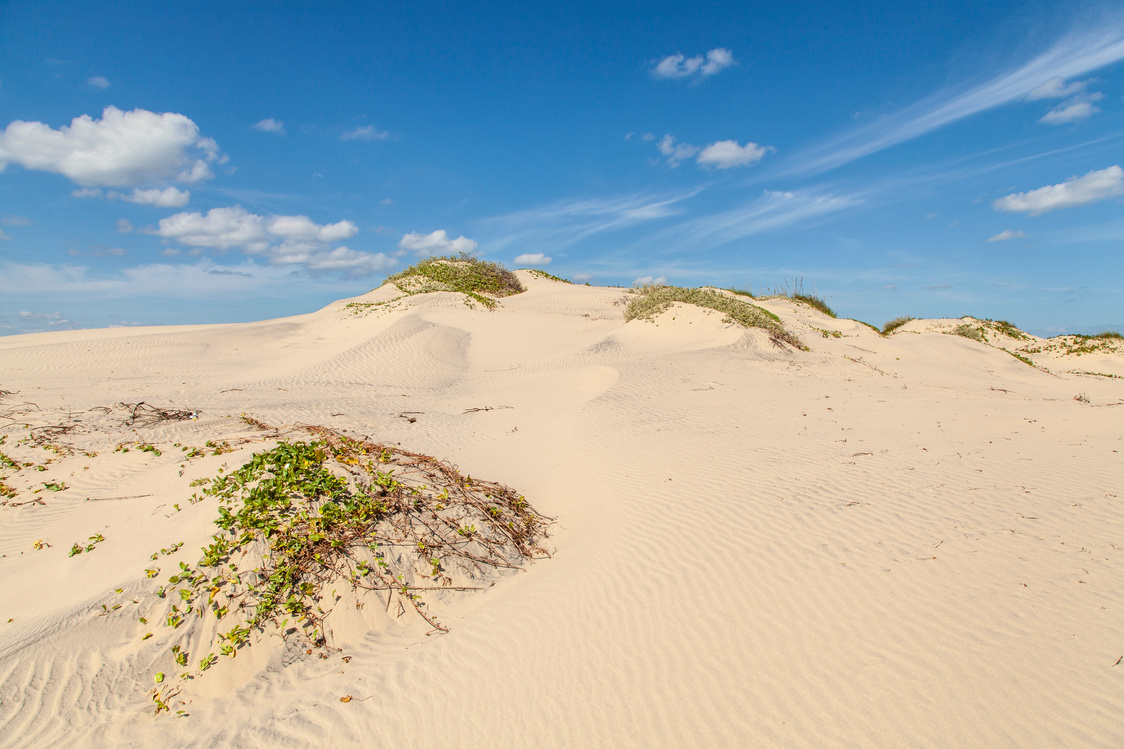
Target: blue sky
x=169, y=163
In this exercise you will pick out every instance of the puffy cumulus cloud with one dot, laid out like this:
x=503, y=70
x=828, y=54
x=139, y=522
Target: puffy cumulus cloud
x=723, y=154
x=1005, y=236
x=303, y=228
x=533, y=258
x=270, y=125
x=1076, y=109
x=281, y=240
x=727, y=153
x=675, y=152
x=1093, y=187
x=366, y=132
x=436, y=243
x=122, y=149
x=679, y=66
x=650, y=281
x=97, y=81
x=219, y=229
x=583, y=277
x=1056, y=88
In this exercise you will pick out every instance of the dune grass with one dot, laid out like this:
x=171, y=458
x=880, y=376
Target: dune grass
x=479, y=280
x=649, y=301
x=547, y=276
x=796, y=293
x=896, y=323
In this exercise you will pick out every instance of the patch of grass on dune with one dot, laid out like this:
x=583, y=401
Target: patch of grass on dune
x=896, y=323
x=479, y=280
x=649, y=301
x=797, y=294
x=547, y=276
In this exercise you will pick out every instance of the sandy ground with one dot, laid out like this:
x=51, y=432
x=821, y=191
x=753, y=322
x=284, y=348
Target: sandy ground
x=912, y=540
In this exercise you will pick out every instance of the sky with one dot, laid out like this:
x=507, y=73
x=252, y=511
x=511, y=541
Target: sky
x=202, y=162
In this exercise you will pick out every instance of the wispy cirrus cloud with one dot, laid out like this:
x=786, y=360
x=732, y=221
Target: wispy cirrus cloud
x=365, y=132
x=773, y=210
x=558, y=225
x=1077, y=53
x=1005, y=236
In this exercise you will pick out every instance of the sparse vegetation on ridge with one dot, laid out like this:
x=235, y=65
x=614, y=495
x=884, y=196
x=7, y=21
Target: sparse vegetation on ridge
x=649, y=301
x=797, y=294
x=896, y=323
x=479, y=280
x=548, y=276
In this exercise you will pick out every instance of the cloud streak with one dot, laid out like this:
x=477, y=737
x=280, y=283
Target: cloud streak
x=1075, y=54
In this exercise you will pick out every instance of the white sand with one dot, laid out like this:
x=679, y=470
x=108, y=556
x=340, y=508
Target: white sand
x=914, y=540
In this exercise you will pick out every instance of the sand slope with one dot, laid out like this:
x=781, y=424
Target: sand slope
x=914, y=540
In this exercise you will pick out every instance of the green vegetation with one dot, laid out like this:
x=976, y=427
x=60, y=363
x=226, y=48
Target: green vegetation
x=975, y=333
x=303, y=517
x=1007, y=329
x=548, y=276
x=478, y=280
x=896, y=323
x=797, y=294
x=650, y=301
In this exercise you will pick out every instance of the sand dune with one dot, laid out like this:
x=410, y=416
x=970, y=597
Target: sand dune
x=904, y=540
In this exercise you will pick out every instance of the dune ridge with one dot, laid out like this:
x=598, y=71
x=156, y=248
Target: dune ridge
x=911, y=539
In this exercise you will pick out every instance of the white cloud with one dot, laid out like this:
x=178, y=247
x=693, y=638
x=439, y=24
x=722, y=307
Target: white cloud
x=583, y=277
x=270, y=125
x=366, y=132
x=1056, y=88
x=340, y=259
x=678, y=66
x=532, y=258
x=281, y=240
x=650, y=281
x=675, y=152
x=772, y=211
x=436, y=243
x=124, y=226
x=1078, y=108
x=1076, y=53
x=169, y=197
x=11, y=220
x=3, y=236
x=1006, y=235
x=1093, y=187
x=302, y=228
x=561, y=224
x=97, y=81
x=727, y=153
x=122, y=149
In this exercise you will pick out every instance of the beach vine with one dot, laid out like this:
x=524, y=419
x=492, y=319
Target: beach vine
x=335, y=511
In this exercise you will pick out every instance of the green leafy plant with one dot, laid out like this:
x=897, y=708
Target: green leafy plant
x=478, y=280
x=650, y=301
x=796, y=293
x=304, y=515
x=975, y=333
